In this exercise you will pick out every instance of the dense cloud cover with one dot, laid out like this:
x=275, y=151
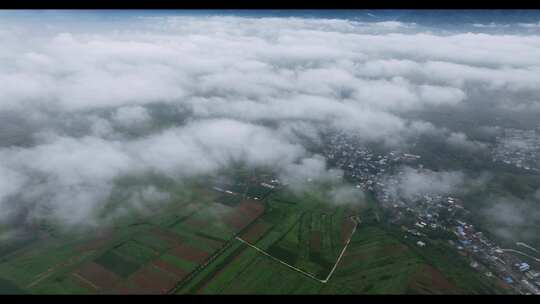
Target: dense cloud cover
x=235, y=89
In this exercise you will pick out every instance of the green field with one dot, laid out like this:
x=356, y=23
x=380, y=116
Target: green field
x=377, y=260
x=188, y=247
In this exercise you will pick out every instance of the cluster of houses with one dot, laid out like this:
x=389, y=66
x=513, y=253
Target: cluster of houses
x=369, y=170
x=519, y=148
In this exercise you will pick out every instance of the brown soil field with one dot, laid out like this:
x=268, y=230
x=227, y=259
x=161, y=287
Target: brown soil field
x=215, y=244
x=84, y=283
x=256, y=232
x=95, y=244
x=189, y=253
x=237, y=220
x=98, y=276
x=431, y=277
x=170, y=268
x=315, y=241
x=168, y=236
x=251, y=207
x=151, y=281
x=244, y=213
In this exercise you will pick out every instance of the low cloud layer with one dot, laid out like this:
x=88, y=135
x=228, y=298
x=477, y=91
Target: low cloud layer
x=73, y=176
x=348, y=196
x=186, y=96
x=513, y=219
x=413, y=183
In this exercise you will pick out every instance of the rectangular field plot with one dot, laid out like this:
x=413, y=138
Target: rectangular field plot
x=264, y=276
x=181, y=263
x=256, y=231
x=65, y=285
x=38, y=262
x=313, y=243
x=188, y=253
x=244, y=214
x=166, y=265
x=197, y=240
x=96, y=276
x=375, y=262
x=208, y=222
x=152, y=241
x=152, y=280
x=136, y=252
x=117, y=264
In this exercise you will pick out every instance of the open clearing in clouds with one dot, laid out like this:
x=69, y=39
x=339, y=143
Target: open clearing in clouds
x=234, y=89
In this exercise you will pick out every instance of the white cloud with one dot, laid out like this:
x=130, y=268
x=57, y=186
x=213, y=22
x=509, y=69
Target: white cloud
x=231, y=75
x=513, y=218
x=10, y=181
x=414, y=183
x=460, y=140
x=347, y=195
x=308, y=172
x=74, y=176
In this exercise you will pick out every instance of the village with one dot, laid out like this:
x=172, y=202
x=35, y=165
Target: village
x=430, y=214
x=518, y=148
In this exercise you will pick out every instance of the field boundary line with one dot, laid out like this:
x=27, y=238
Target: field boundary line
x=300, y=270
x=76, y=275
x=280, y=261
x=49, y=272
x=340, y=255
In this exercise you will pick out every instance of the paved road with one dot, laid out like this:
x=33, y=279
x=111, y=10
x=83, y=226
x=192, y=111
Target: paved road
x=341, y=255
x=528, y=246
x=522, y=253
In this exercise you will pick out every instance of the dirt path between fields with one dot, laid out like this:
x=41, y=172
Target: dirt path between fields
x=324, y=281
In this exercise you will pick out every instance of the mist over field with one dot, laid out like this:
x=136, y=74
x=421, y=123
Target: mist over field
x=185, y=96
